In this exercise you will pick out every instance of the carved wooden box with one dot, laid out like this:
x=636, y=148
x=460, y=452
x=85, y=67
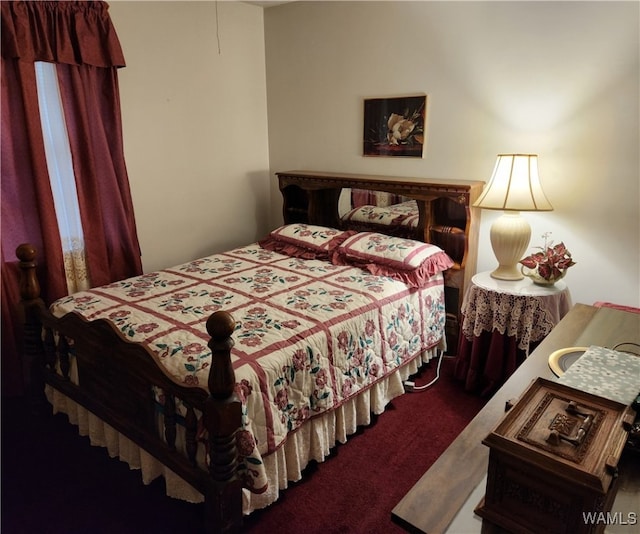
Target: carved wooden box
x=553, y=461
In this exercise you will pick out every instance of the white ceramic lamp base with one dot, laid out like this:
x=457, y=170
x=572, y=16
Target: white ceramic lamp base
x=510, y=235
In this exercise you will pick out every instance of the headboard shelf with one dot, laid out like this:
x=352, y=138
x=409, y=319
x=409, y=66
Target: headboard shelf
x=446, y=218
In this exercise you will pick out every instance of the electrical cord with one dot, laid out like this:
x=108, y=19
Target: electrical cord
x=410, y=385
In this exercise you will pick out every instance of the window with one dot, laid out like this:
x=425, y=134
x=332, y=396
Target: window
x=61, y=175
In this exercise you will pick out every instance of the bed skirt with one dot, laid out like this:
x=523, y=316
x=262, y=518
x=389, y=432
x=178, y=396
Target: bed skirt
x=313, y=441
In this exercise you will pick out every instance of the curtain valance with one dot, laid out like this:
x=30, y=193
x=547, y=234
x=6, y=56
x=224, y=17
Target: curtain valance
x=74, y=33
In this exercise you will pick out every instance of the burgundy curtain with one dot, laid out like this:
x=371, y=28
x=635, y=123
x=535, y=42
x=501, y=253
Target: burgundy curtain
x=92, y=112
x=79, y=37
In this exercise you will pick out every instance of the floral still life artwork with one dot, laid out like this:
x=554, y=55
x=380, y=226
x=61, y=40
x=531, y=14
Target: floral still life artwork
x=550, y=264
x=395, y=126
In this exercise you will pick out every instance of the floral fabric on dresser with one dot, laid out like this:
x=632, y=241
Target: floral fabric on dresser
x=310, y=335
x=606, y=373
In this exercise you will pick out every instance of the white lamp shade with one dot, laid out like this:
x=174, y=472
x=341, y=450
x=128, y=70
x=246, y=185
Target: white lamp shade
x=515, y=185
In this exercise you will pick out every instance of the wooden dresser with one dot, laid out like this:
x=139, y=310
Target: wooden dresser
x=447, y=218
x=445, y=498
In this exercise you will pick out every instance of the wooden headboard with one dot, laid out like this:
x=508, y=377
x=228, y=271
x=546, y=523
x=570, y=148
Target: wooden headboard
x=447, y=218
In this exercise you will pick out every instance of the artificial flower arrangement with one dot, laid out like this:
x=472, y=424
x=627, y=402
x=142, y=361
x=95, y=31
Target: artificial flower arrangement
x=551, y=263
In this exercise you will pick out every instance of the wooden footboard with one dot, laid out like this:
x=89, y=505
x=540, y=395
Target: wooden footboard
x=116, y=380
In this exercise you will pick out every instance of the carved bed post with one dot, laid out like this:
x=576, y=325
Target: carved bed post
x=31, y=340
x=222, y=418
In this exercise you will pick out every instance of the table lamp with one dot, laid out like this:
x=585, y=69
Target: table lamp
x=514, y=187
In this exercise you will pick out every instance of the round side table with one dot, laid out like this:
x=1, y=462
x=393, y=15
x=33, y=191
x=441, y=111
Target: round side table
x=502, y=321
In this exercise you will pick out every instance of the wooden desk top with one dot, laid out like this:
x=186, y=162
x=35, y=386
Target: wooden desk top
x=456, y=480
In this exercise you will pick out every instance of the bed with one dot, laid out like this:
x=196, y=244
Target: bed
x=228, y=374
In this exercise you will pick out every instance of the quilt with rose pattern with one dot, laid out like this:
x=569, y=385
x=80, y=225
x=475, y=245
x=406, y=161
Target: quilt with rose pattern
x=310, y=335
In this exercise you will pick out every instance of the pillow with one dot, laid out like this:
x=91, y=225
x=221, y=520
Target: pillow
x=407, y=260
x=304, y=240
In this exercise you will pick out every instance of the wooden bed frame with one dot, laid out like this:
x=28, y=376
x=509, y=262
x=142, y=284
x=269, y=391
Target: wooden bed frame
x=117, y=376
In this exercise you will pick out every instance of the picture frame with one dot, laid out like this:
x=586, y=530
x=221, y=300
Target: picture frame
x=395, y=126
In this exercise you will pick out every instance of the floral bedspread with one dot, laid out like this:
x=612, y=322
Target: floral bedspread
x=309, y=336
x=402, y=214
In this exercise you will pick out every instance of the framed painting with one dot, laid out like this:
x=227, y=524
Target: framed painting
x=395, y=126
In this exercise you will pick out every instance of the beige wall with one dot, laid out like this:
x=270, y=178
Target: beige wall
x=195, y=125
x=557, y=79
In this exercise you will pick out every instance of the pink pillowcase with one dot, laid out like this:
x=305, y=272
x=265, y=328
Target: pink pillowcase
x=304, y=240
x=410, y=261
